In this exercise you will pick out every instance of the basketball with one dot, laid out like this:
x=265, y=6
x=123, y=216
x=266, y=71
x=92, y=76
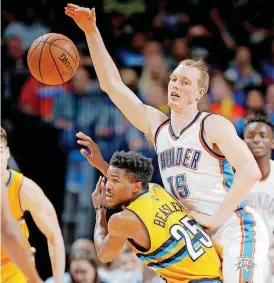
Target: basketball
x=53, y=59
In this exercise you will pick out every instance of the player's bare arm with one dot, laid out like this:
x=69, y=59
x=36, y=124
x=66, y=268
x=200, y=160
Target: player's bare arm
x=14, y=242
x=145, y=118
x=109, y=238
x=220, y=132
x=43, y=213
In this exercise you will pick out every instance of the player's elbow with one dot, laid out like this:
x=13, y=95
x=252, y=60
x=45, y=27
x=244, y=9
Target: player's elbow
x=253, y=171
x=256, y=173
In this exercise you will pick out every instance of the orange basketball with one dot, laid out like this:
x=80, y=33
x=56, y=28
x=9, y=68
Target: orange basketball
x=53, y=59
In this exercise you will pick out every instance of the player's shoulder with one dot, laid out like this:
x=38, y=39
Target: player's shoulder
x=217, y=125
x=272, y=167
x=124, y=223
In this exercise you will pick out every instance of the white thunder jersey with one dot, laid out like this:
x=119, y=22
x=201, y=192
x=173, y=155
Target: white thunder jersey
x=261, y=198
x=190, y=169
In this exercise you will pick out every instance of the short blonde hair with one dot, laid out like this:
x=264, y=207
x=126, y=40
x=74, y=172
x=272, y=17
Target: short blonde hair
x=4, y=135
x=203, y=82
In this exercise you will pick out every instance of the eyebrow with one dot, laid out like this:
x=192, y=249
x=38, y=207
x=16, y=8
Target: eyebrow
x=112, y=175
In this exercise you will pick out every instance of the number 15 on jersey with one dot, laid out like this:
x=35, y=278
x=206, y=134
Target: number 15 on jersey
x=179, y=186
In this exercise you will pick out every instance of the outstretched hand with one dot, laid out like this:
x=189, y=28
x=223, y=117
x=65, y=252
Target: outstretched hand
x=95, y=157
x=83, y=17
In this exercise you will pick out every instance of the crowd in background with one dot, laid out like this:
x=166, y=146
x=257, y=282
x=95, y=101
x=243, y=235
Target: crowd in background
x=147, y=40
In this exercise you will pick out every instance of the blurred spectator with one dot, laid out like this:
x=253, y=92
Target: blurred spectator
x=269, y=107
x=130, y=79
x=255, y=100
x=241, y=72
x=38, y=99
x=204, y=104
x=179, y=52
x=29, y=30
x=14, y=68
x=83, y=268
x=152, y=48
x=223, y=98
x=267, y=67
x=155, y=71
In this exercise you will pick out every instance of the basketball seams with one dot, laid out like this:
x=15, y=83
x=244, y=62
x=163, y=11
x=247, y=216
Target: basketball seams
x=55, y=64
x=29, y=55
x=41, y=53
x=62, y=49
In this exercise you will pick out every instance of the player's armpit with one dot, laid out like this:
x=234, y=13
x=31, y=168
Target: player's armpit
x=221, y=132
x=155, y=118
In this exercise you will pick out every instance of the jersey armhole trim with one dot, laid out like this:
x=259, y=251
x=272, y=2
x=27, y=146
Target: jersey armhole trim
x=19, y=200
x=204, y=143
x=139, y=248
x=158, y=131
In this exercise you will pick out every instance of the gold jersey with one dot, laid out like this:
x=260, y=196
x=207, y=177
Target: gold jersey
x=180, y=250
x=13, y=190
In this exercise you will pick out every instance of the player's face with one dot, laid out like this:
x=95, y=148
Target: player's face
x=259, y=138
x=5, y=154
x=82, y=271
x=119, y=189
x=183, y=87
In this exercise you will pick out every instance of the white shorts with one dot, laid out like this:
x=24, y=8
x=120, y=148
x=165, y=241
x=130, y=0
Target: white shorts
x=243, y=243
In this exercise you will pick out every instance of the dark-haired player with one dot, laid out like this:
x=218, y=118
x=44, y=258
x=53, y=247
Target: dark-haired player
x=157, y=227
x=259, y=136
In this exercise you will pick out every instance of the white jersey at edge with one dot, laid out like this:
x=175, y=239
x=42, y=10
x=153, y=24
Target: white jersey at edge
x=261, y=198
x=190, y=169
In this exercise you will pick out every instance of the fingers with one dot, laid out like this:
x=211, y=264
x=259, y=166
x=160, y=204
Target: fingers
x=85, y=153
x=98, y=185
x=84, y=137
x=70, y=14
x=103, y=186
x=84, y=143
x=72, y=5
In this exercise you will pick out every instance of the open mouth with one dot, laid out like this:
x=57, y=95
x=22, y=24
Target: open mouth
x=109, y=197
x=174, y=94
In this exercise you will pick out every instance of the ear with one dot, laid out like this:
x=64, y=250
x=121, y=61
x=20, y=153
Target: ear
x=8, y=153
x=272, y=144
x=201, y=93
x=137, y=187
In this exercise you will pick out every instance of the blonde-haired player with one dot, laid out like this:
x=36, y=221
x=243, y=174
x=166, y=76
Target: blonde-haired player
x=25, y=195
x=196, y=153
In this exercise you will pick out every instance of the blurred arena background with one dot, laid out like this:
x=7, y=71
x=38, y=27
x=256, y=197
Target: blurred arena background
x=147, y=38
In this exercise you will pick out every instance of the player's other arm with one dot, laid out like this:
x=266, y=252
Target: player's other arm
x=110, y=80
x=14, y=242
x=43, y=213
x=221, y=132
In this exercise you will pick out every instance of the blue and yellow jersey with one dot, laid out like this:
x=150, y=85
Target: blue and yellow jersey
x=180, y=251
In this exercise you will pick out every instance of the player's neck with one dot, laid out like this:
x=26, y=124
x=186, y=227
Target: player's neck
x=7, y=176
x=181, y=119
x=264, y=165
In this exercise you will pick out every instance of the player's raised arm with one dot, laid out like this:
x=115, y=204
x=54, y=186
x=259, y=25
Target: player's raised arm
x=110, y=80
x=14, y=242
x=43, y=213
x=220, y=131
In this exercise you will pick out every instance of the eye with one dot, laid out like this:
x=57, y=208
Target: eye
x=186, y=82
x=115, y=181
